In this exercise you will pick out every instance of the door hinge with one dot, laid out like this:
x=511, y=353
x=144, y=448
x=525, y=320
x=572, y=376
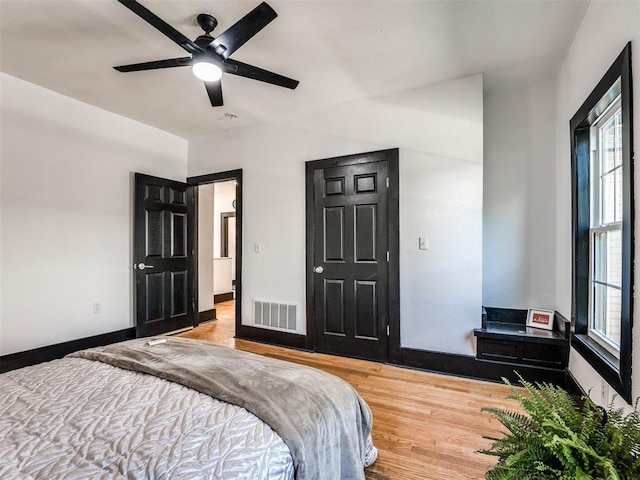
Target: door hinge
x=387, y=182
x=387, y=255
x=387, y=330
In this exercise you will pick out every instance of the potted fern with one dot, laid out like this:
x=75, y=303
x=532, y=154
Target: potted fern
x=557, y=439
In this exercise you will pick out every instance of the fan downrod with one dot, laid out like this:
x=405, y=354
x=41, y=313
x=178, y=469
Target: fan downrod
x=207, y=22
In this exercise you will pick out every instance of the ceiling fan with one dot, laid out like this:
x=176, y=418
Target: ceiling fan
x=209, y=56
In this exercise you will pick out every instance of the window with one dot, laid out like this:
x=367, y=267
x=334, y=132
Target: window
x=605, y=232
x=602, y=171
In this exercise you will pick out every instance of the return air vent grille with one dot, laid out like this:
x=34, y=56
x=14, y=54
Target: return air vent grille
x=272, y=314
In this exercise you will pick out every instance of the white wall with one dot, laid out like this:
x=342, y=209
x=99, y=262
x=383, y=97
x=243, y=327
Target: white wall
x=439, y=132
x=222, y=281
x=205, y=247
x=519, y=197
x=66, y=224
x=605, y=29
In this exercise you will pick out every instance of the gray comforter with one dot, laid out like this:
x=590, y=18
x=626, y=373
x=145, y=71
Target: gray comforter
x=322, y=419
x=78, y=419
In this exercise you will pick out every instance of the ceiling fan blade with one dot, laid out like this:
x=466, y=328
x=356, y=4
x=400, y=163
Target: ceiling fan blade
x=161, y=25
x=249, y=71
x=214, y=90
x=245, y=28
x=170, y=62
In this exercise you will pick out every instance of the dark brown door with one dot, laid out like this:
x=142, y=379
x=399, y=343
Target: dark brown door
x=350, y=258
x=163, y=255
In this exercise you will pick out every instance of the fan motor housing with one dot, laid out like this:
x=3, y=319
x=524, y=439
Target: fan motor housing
x=207, y=22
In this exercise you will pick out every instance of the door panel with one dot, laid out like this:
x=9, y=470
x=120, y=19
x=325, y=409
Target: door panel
x=334, y=307
x=164, y=233
x=334, y=234
x=365, y=233
x=153, y=297
x=350, y=243
x=178, y=235
x=366, y=303
x=179, y=293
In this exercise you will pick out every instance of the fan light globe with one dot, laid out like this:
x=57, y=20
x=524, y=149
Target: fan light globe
x=207, y=72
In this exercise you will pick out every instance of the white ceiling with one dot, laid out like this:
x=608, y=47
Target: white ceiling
x=340, y=51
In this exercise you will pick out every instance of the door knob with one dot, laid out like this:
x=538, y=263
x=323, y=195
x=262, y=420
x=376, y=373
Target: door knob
x=142, y=266
x=318, y=269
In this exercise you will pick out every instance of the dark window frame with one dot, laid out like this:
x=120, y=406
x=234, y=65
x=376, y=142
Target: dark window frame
x=616, y=372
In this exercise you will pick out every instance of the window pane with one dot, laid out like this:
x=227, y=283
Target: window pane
x=609, y=165
x=608, y=198
x=606, y=312
x=607, y=264
x=599, y=307
x=611, y=142
x=618, y=137
x=606, y=284
x=614, y=308
x=618, y=199
x=605, y=315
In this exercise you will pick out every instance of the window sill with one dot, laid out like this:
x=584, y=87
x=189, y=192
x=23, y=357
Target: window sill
x=600, y=359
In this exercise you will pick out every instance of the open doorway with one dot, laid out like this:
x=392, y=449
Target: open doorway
x=224, y=240
x=219, y=253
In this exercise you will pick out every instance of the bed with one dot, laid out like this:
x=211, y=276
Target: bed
x=175, y=408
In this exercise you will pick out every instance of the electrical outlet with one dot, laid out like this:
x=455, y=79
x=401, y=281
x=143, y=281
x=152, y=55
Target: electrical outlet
x=604, y=393
x=97, y=308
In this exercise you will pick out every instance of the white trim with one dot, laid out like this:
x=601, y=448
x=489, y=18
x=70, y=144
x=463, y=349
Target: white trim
x=597, y=225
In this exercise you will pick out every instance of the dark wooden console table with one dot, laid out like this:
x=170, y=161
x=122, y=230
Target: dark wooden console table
x=505, y=338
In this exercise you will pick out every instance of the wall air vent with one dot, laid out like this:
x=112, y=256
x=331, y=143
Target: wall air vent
x=279, y=315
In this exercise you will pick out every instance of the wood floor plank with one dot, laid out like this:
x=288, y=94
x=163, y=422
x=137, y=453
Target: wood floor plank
x=426, y=426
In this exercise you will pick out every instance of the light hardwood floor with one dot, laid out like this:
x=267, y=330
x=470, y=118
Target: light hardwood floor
x=426, y=426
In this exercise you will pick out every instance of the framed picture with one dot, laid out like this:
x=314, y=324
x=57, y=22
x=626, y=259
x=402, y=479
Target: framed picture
x=540, y=319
